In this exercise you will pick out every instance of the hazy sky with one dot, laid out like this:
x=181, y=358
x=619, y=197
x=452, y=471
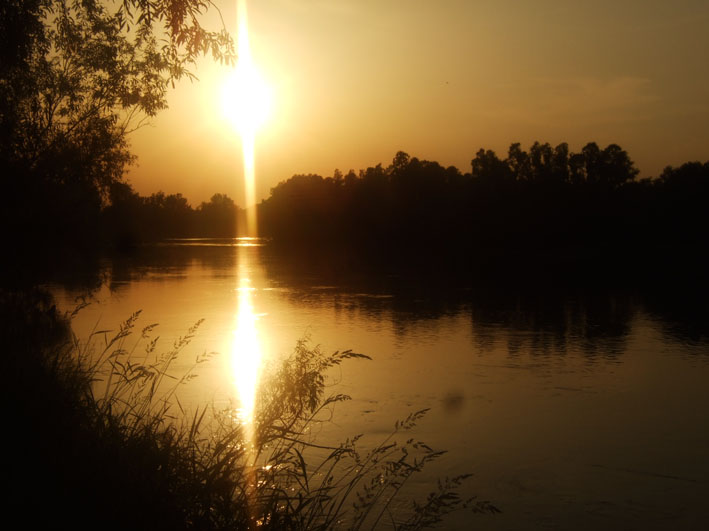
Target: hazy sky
x=355, y=81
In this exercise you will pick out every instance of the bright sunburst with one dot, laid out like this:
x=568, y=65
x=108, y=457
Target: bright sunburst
x=246, y=103
x=246, y=97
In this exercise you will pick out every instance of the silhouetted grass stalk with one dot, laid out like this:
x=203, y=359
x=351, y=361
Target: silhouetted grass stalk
x=280, y=478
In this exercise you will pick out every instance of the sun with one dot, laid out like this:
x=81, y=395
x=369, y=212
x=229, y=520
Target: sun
x=246, y=98
x=246, y=104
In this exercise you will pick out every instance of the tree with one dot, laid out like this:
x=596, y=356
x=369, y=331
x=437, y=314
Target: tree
x=218, y=217
x=400, y=163
x=489, y=170
x=560, y=163
x=618, y=169
x=518, y=161
x=76, y=77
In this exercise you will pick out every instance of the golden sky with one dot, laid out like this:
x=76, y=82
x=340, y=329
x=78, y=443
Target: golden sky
x=355, y=81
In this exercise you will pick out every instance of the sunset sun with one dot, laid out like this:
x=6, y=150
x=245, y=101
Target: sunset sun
x=246, y=98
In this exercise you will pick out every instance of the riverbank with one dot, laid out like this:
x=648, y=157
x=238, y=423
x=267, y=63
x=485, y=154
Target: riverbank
x=125, y=457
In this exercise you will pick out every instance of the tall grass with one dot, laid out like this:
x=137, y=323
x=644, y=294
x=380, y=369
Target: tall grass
x=137, y=459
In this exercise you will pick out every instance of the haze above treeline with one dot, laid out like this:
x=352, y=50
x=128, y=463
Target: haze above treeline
x=355, y=81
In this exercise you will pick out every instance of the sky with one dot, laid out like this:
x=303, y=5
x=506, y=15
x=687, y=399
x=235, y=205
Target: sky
x=355, y=81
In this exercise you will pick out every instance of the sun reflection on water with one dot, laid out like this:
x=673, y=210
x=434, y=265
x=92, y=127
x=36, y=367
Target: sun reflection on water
x=246, y=350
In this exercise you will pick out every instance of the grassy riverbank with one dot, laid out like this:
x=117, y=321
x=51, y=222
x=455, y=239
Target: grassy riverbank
x=99, y=440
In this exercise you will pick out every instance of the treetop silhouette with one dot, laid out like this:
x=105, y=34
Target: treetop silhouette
x=76, y=77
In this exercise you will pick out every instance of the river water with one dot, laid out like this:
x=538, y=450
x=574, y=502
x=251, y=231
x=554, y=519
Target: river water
x=572, y=408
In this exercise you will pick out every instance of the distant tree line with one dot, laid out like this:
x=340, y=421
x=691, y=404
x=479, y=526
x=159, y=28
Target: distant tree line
x=547, y=199
x=129, y=218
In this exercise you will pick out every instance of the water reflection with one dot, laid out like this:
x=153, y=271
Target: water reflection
x=537, y=318
x=246, y=350
x=561, y=390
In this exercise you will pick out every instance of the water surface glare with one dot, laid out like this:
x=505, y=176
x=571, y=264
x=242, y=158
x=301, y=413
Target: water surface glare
x=246, y=351
x=573, y=410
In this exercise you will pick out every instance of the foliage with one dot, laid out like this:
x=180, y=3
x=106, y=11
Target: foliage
x=544, y=201
x=76, y=77
x=219, y=217
x=160, y=467
x=131, y=219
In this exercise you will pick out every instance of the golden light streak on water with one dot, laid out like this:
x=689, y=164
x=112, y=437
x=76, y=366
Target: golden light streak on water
x=249, y=101
x=246, y=351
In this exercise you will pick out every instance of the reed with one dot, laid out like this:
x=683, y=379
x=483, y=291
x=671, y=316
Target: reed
x=150, y=464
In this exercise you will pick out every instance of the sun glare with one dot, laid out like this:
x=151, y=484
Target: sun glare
x=246, y=104
x=246, y=352
x=246, y=97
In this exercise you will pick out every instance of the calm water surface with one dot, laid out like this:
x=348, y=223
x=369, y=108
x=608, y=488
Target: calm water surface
x=573, y=409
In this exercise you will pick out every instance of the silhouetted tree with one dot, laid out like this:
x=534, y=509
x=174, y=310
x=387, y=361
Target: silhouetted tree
x=490, y=171
x=166, y=216
x=218, y=217
x=518, y=162
x=546, y=200
x=75, y=78
x=123, y=219
x=681, y=211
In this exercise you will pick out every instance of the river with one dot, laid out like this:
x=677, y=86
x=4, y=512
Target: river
x=572, y=408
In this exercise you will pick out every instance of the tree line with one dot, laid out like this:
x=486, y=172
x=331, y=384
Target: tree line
x=77, y=76
x=546, y=199
x=129, y=218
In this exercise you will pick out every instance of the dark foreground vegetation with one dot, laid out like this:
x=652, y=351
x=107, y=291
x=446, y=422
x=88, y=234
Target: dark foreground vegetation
x=100, y=440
